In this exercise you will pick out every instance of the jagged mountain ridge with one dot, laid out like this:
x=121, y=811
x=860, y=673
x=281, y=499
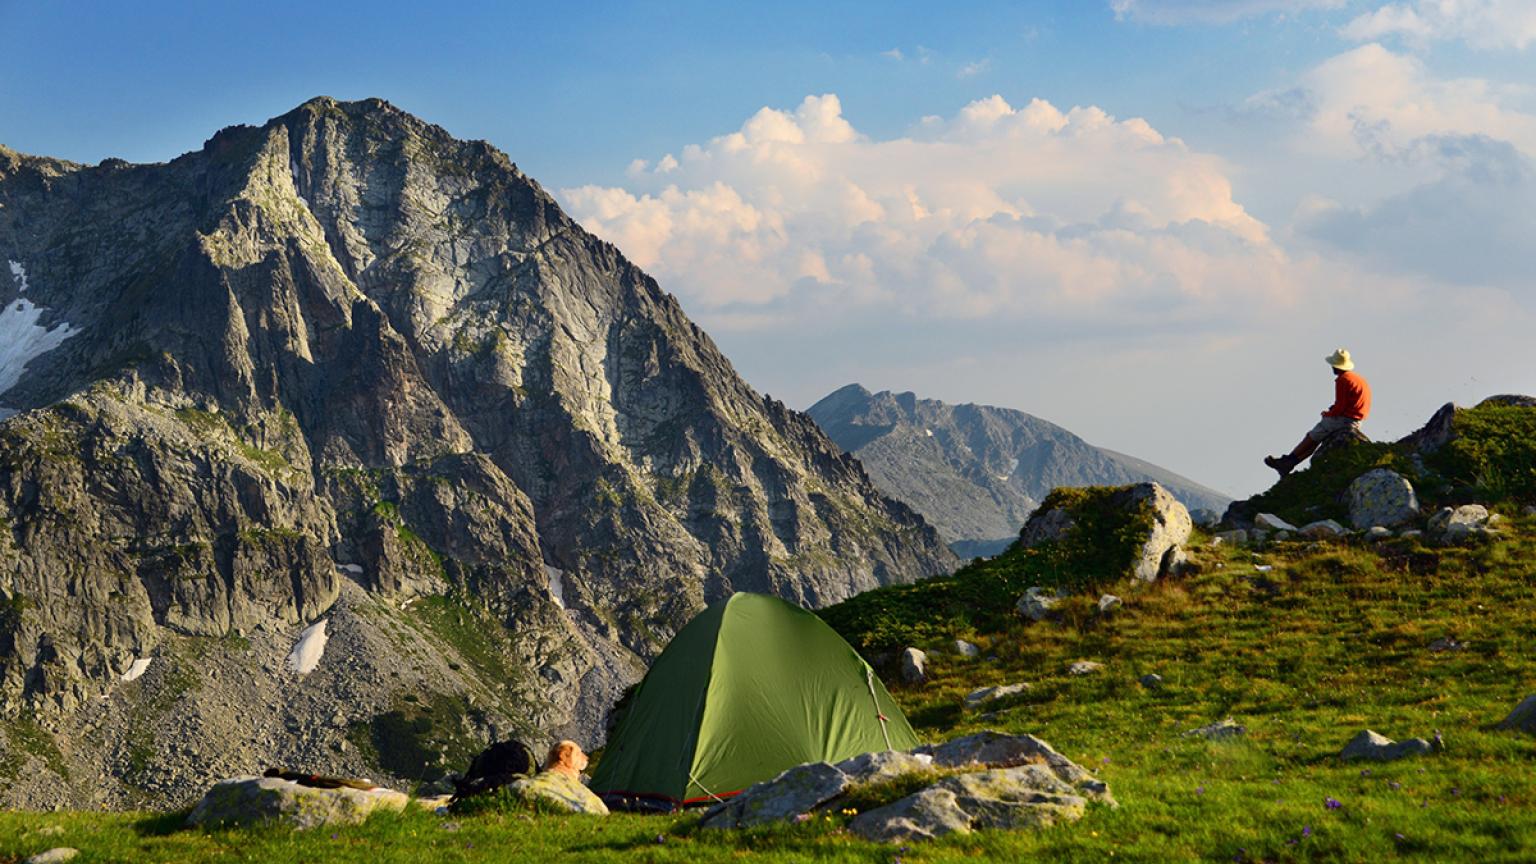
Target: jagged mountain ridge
x=344, y=364
x=976, y=471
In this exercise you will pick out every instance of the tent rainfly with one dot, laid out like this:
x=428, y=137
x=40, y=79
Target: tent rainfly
x=751, y=686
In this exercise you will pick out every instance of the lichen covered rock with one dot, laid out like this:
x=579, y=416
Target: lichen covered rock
x=248, y=800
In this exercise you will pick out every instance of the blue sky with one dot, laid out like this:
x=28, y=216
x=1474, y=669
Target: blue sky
x=871, y=192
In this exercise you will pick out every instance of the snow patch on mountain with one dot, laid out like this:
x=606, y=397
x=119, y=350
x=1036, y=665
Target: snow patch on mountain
x=22, y=339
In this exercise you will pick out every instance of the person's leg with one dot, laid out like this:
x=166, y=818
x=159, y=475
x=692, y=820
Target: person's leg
x=1306, y=448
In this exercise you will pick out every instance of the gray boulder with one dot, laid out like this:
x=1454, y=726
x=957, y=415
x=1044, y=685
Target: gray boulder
x=1382, y=497
x=981, y=696
x=1151, y=680
x=1171, y=527
x=1273, y=523
x=560, y=791
x=1204, y=517
x=248, y=800
x=914, y=665
x=883, y=765
x=931, y=813
x=966, y=649
x=1085, y=667
x=1029, y=796
x=1452, y=525
x=1045, y=526
x=798, y=790
x=1221, y=730
x=1322, y=529
x=56, y=855
x=1109, y=603
x=990, y=749
x=1235, y=537
x=1380, y=748
x=1523, y=717
x=1378, y=532
x=1037, y=603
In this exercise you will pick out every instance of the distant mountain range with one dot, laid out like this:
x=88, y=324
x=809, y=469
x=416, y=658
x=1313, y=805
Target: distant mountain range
x=974, y=471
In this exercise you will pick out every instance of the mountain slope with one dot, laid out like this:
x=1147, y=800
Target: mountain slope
x=343, y=366
x=975, y=471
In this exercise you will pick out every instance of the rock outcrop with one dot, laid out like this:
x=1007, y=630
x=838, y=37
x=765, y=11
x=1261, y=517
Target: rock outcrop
x=343, y=350
x=977, y=471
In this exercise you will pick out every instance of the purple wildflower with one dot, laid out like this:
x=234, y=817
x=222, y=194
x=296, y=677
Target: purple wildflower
x=1394, y=785
x=1306, y=830
x=1332, y=803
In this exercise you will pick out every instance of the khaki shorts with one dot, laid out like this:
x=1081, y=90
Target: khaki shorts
x=1331, y=425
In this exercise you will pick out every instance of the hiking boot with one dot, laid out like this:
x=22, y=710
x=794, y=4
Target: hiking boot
x=1284, y=464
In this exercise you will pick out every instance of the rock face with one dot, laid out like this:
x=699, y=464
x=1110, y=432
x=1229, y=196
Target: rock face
x=1382, y=497
x=247, y=800
x=976, y=471
x=343, y=350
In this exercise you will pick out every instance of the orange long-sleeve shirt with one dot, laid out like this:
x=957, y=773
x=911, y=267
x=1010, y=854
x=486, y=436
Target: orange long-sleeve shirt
x=1351, y=397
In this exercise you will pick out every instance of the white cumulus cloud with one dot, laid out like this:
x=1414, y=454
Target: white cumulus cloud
x=1489, y=24
x=999, y=210
x=1210, y=11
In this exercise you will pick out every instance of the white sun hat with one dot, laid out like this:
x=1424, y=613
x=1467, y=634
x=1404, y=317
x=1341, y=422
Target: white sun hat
x=1340, y=360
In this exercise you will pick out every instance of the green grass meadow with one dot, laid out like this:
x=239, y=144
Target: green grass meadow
x=1333, y=639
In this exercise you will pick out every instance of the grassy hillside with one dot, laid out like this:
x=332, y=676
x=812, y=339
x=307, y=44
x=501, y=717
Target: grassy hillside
x=1305, y=643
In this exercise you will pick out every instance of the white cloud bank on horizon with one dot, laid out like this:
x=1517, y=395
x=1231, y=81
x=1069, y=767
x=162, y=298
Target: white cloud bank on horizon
x=1484, y=24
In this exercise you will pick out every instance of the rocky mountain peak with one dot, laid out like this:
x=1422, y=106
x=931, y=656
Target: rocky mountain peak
x=343, y=366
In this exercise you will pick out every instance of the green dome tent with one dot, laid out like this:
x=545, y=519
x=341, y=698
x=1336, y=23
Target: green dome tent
x=751, y=686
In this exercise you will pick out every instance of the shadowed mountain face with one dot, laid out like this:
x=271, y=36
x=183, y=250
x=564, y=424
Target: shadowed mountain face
x=344, y=367
x=976, y=471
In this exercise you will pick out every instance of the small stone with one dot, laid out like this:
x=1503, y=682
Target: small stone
x=1411, y=533
x=1151, y=681
x=1446, y=644
x=1378, y=533
x=1282, y=536
x=1109, y=603
x=978, y=697
x=1273, y=522
x=56, y=855
x=1322, y=528
x=1380, y=748
x=1037, y=603
x=914, y=666
x=1221, y=730
x=966, y=649
x=1084, y=667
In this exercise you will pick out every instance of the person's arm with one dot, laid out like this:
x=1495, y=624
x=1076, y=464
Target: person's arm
x=1340, y=395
